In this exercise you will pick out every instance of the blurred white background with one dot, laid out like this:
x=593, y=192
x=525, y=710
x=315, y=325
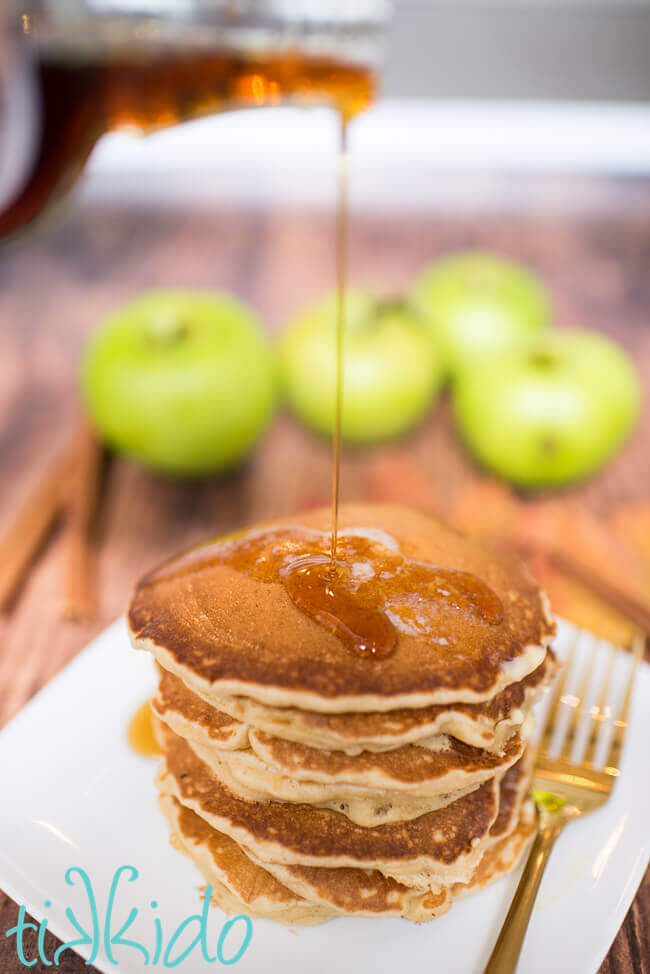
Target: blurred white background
x=576, y=49
x=470, y=88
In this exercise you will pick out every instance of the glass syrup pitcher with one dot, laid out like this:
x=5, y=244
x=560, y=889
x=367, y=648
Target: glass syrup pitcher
x=72, y=70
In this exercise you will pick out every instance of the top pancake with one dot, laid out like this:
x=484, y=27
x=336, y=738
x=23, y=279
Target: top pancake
x=227, y=634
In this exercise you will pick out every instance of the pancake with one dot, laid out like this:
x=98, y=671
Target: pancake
x=502, y=857
x=307, y=895
x=511, y=831
x=239, y=884
x=508, y=837
x=232, y=904
x=412, y=769
x=327, y=892
x=512, y=790
x=364, y=754
x=445, y=845
x=192, y=718
x=486, y=725
x=360, y=805
x=225, y=633
x=423, y=780
x=362, y=892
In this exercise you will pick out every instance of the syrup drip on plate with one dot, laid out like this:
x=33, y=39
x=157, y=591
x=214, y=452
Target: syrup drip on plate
x=372, y=593
x=140, y=733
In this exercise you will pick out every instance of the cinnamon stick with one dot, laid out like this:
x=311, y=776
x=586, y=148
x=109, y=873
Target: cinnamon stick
x=628, y=606
x=617, y=598
x=26, y=531
x=80, y=593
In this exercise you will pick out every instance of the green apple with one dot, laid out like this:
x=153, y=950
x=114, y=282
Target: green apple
x=476, y=303
x=183, y=381
x=391, y=371
x=549, y=413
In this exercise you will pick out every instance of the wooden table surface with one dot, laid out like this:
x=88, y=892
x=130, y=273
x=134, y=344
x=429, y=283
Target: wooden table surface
x=52, y=291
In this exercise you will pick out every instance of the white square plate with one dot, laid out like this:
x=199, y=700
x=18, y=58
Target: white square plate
x=74, y=795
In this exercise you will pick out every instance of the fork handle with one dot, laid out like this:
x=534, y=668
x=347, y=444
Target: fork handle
x=505, y=956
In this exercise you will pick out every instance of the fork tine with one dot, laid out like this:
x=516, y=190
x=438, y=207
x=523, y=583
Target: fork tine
x=620, y=725
x=576, y=703
x=599, y=714
x=548, y=727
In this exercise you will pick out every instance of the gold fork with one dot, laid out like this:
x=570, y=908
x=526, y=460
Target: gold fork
x=562, y=790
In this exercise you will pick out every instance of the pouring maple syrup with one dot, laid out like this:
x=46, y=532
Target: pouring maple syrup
x=142, y=76
x=362, y=591
x=84, y=96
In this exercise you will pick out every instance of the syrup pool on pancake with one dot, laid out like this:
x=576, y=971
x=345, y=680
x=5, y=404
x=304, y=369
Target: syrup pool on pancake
x=370, y=593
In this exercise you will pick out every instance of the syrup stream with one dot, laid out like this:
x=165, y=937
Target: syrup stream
x=341, y=283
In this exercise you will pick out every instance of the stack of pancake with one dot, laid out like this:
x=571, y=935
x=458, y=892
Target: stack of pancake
x=308, y=782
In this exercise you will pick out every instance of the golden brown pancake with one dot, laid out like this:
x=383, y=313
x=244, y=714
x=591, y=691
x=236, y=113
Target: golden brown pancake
x=223, y=864
x=250, y=779
x=513, y=788
x=241, y=885
x=510, y=832
x=413, y=769
x=444, y=845
x=328, y=892
x=501, y=857
x=362, y=892
x=228, y=634
x=287, y=892
x=486, y=725
x=361, y=805
x=499, y=853
x=308, y=778
x=194, y=719
x=400, y=785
